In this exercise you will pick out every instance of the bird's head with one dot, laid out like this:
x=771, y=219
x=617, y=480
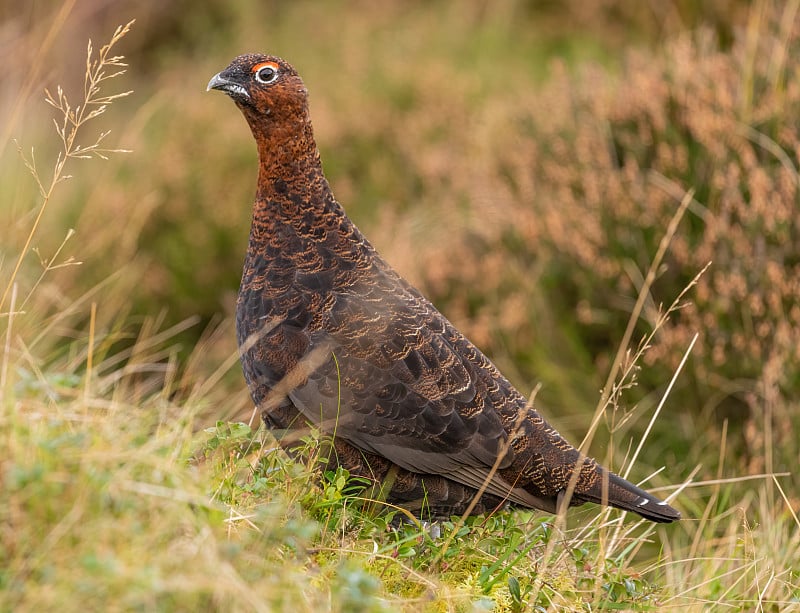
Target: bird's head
x=264, y=87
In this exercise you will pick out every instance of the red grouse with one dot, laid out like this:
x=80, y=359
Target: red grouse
x=331, y=335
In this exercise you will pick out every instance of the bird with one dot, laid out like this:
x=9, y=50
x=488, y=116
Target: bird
x=330, y=336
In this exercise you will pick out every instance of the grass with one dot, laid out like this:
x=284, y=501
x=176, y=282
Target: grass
x=131, y=504
x=121, y=490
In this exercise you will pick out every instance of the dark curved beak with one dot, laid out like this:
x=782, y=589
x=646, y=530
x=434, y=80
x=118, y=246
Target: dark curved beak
x=227, y=85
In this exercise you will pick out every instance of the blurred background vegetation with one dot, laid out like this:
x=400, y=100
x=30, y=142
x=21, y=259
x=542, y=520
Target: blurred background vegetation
x=517, y=160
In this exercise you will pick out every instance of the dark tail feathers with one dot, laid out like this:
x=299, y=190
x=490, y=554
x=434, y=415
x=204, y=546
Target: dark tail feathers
x=628, y=497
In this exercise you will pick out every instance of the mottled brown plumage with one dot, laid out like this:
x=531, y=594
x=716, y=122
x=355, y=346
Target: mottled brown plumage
x=331, y=335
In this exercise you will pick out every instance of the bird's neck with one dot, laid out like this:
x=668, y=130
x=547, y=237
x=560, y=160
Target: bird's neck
x=290, y=178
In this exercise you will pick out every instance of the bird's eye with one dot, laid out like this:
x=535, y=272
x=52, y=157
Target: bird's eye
x=267, y=74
